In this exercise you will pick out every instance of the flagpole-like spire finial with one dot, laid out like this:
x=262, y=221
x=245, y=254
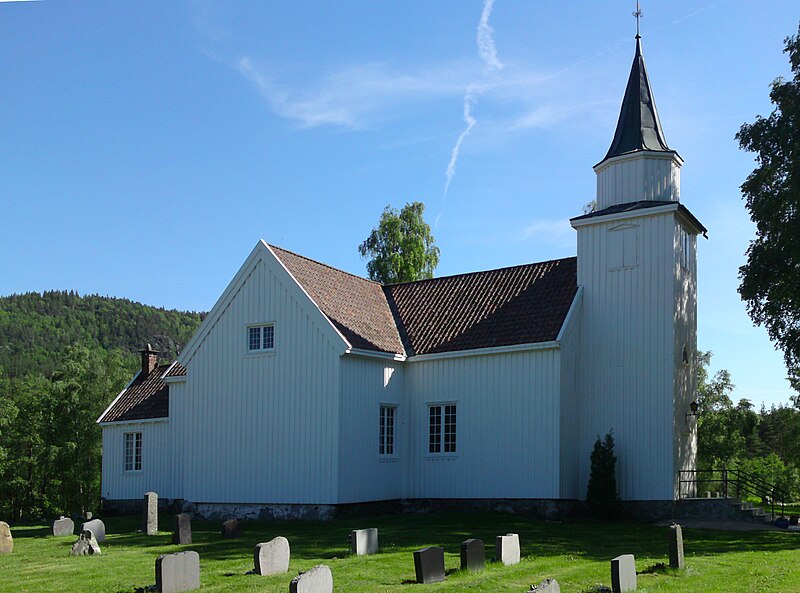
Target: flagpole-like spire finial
x=638, y=14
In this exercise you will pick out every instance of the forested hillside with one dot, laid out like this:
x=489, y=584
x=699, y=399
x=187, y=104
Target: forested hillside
x=36, y=328
x=63, y=358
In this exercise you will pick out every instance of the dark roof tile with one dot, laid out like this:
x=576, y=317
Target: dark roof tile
x=146, y=397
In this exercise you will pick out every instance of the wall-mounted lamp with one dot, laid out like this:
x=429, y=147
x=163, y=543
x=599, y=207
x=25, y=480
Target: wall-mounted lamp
x=693, y=410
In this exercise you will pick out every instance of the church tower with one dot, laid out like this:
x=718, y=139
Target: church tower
x=638, y=275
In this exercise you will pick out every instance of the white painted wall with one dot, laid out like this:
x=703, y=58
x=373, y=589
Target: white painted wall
x=628, y=354
x=638, y=176
x=260, y=428
x=157, y=458
x=569, y=410
x=364, y=475
x=507, y=426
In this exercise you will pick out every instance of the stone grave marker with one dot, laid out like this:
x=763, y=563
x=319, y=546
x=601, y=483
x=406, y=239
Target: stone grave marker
x=183, y=530
x=178, y=572
x=429, y=564
x=623, y=573
x=473, y=555
x=315, y=580
x=546, y=586
x=676, y=547
x=150, y=514
x=272, y=557
x=231, y=528
x=364, y=541
x=6, y=541
x=63, y=526
x=86, y=544
x=88, y=516
x=97, y=527
x=507, y=549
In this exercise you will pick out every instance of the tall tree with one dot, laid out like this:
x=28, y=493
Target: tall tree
x=770, y=280
x=401, y=248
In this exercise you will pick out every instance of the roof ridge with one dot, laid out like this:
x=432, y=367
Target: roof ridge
x=324, y=264
x=476, y=272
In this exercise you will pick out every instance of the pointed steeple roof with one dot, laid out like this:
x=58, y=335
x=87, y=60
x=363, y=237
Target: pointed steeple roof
x=638, y=127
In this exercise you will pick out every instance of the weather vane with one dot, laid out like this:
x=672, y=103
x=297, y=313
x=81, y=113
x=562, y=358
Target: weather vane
x=638, y=14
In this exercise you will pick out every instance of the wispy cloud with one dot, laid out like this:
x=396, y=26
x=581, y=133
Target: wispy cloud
x=555, y=231
x=486, y=47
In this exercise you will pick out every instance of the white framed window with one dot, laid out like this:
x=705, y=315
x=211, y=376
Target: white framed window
x=622, y=246
x=133, y=451
x=686, y=250
x=442, y=428
x=261, y=338
x=386, y=430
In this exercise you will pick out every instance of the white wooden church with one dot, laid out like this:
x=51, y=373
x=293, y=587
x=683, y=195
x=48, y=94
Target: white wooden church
x=307, y=388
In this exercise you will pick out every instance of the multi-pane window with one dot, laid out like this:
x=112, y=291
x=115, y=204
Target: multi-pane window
x=386, y=436
x=686, y=250
x=133, y=451
x=261, y=338
x=442, y=428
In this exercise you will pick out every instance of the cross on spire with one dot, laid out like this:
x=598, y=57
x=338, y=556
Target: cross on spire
x=638, y=14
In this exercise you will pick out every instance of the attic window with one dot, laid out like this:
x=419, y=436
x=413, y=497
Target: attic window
x=261, y=338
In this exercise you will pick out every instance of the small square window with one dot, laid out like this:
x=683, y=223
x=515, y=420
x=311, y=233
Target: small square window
x=261, y=338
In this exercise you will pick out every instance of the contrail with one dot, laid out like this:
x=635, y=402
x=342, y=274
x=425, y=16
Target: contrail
x=488, y=54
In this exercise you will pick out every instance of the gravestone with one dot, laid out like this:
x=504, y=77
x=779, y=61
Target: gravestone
x=364, y=541
x=6, y=541
x=623, y=574
x=473, y=555
x=86, y=545
x=272, y=557
x=507, y=549
x=150, y=514
x=178, y=572
x=230, y=528
x=183, y=530
x=97, y=527
x=315, y=580
x=676, y=547
x=63, y=526
x=546, y=586
x=88, y=516
x=429, y=565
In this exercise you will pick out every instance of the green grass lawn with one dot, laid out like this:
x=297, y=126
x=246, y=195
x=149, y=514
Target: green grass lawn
x=577, y=554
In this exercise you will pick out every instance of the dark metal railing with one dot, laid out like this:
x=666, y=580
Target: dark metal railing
x=730, y=483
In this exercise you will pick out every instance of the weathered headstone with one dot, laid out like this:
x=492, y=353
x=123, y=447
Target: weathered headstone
x=364, y=541
x=676, y=547
x=429, y=565
x=272, y=557
x=623, y=573
x=473, y=555
x=315, y=580
x=178, y=572
x=6, y=541
x=150, y=514
x=97, y=527
x=546, y=586
x=63, y=526
x=230, y=528
x=86, y=545
x=87, y=515
x=183, y=530
x=507, y=549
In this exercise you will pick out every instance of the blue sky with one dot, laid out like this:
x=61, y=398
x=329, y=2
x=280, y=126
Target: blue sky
x=147, y=146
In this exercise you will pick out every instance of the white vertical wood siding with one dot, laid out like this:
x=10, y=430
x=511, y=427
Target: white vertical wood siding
x=261, y=428
x=685, y=428
x=507, y=426
x=156, y=475
x=641, y=176
x=569, y=409
x=628, y=357
x=364, y=475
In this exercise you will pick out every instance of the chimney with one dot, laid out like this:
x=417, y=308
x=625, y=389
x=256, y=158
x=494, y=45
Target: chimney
x=149, y=360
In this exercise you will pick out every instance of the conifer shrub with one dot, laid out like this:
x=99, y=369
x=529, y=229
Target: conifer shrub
x=601, y=494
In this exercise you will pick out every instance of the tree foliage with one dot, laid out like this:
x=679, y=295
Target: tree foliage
x=770, y=280
x=401, y=248
x=601, y=493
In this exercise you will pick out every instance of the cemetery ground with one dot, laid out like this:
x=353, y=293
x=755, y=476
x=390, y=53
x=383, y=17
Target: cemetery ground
x=576, y=553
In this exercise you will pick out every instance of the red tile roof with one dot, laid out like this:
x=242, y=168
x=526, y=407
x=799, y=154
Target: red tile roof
x=519, y=305
x=146, y=397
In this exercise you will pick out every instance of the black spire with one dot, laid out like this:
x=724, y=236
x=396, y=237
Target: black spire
x=638, y=127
